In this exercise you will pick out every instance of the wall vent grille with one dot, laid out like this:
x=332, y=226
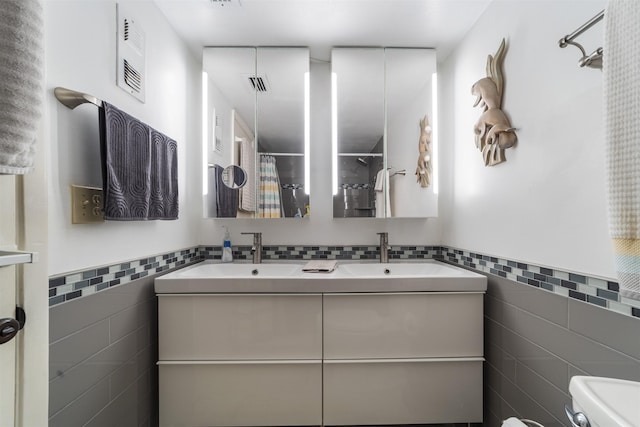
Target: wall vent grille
x=132, y=77
x=131, y=60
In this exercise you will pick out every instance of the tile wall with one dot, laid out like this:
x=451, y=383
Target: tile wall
x=593, y=290
x=542, y=326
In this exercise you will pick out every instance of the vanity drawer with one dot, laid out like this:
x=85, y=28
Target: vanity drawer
x=239, y=327
x=403, y=325
x=402, y=392
x=241, y=394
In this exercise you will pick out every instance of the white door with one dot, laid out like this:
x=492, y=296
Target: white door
x=7, y=299
x=24, y=380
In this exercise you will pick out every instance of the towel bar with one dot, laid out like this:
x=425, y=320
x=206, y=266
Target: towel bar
x=594, y=60
x=71, y=98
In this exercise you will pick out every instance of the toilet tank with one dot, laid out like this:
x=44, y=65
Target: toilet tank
x=606, y=401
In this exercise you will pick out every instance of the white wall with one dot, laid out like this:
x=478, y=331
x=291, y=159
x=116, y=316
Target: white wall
x=81, y=55
x=321, y=228
x=546, y=204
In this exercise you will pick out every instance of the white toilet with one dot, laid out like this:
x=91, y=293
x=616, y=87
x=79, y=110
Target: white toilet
x=604, y=402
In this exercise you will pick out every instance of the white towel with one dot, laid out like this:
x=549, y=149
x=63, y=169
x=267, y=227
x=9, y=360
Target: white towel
x=621, y=81
x=383, y=198
x=21, y=83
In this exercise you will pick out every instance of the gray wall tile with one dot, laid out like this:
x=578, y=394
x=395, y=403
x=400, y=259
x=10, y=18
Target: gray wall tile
x=584, y=353
x=72, y=316
x=124, y=322
x=105, y=345
x=541, y=391
x=123, y=377
x=71, y=350
x=537, y=359
x=518, y=403
x=81, y=410
x=548, y=305
x=121, y=412
x=501, y=361
x=82, y=377
x=604, y=326
x=492, y=332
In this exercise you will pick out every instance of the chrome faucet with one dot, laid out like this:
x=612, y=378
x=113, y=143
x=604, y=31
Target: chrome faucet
x=256, y=249
x=384, y=247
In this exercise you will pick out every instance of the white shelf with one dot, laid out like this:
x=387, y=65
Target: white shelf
x=12, y=258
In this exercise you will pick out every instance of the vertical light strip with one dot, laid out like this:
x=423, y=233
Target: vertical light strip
x=307, y=136
x=334, y=132
x=205, y=133
x=434, y=130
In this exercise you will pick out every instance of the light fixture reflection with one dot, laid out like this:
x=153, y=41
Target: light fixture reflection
x=205, y=132
x=334, y=132
x=307, y=136
x=434, y=129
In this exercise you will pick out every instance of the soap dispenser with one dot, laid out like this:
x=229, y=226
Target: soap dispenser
x=227, y=251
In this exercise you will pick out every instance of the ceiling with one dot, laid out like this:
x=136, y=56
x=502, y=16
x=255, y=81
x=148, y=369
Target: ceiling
x=322, y=24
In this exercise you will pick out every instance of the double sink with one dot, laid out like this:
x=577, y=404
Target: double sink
x=425, y=276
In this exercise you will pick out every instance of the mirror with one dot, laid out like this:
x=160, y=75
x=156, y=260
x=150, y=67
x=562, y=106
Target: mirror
x=358, y=79
x=255, y=117
x=380, y=98
x=234, y=176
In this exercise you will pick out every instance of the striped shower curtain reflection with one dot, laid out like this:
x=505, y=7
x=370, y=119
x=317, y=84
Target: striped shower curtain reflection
x=270, y=205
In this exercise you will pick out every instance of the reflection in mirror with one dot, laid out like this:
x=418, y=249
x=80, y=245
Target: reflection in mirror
x=358, y=130
x=234, y=176
x=380, y=96
x=256, y=105
x=410, y=96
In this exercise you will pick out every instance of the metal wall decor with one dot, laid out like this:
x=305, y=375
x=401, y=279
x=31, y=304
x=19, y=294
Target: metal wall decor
x=493, y=131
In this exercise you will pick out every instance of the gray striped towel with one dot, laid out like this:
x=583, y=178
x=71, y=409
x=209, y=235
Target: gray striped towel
x=140, y=169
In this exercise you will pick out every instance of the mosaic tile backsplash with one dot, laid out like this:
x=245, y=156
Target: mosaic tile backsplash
x=572, y=285
x=81, y=283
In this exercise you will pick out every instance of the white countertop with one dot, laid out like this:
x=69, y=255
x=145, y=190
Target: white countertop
x=348, y=277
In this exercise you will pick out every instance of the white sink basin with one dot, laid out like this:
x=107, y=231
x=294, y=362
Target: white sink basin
x=606, y=401
x=238, y=270
x=423, y=269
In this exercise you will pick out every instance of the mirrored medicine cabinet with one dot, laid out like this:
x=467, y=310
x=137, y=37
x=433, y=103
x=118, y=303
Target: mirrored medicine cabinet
x=255, y=132
x=380, y=97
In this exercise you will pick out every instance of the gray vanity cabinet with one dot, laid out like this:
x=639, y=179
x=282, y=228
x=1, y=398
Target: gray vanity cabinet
x=402, y=358
x=320, y=359
x=240, y=359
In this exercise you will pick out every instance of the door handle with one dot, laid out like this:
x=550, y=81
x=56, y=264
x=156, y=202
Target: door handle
x=10, y=327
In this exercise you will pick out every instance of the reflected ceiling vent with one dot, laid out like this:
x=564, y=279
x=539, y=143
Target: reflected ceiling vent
x=258, y=83
x=226, y=3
